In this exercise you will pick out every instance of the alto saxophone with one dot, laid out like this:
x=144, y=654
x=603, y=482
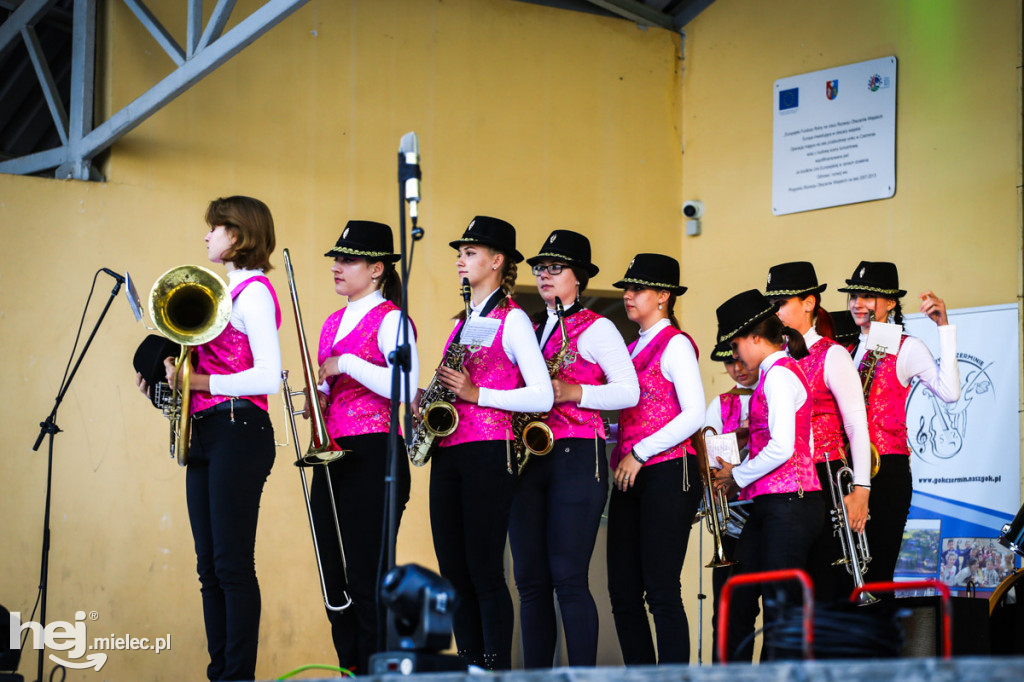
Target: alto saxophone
x=438, y=417
x=530, y=435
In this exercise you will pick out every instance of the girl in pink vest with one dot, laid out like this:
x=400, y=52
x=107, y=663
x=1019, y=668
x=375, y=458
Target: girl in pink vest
x=837, y=411
x=728, y=413
x=355, y=348
x=875, y=297
x=657, y=483
x=232, y=446
x=473, y=473
x=788, y=512
x=559, y=499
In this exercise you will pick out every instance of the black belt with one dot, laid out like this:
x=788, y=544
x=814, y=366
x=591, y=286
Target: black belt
x=232, y=405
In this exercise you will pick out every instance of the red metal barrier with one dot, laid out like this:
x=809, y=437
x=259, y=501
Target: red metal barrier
x=947, y=627
x=767, y=577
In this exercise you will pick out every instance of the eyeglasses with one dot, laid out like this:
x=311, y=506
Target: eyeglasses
x=551, y=269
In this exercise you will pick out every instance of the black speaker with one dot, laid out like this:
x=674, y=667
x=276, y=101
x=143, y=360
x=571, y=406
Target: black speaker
x=922, y=626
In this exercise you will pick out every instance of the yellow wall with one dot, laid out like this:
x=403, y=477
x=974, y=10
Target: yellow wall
x=547, y=118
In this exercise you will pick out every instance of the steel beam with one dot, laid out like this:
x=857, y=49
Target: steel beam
x=637, y=11
x=28, y=13
x=46, y=82
x=218, y=20
x=83, y=67
x=195, y=27
x=157, y=30
x=224, y=48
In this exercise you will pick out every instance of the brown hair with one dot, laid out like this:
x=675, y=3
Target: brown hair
x=249, y=222
x=774, y=332
x=390, y=283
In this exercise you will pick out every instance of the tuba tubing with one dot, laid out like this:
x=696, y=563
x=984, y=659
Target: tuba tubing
x=190, y=305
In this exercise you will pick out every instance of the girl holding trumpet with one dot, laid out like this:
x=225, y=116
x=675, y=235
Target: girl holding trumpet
x=474, y=471
x=837, y=408
x=654, y=499
x=559, y=499
x=787, y=512
x=886, y=375
x=354, y=356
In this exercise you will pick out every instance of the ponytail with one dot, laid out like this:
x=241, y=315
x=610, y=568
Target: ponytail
x=823, y=323
x=509, y=272
x=391, y=284
x=777, y=334
x=672, y=312
x=897, y=313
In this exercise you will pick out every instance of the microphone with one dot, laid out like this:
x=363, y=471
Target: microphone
x=409, y=171
x=119, y=278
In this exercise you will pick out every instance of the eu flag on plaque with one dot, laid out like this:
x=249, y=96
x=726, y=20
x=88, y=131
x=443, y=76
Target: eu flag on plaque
x=789, y=99
x=832, y=89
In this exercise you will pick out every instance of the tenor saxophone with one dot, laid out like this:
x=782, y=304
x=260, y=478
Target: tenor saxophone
x=438, y=417
x=530, y=435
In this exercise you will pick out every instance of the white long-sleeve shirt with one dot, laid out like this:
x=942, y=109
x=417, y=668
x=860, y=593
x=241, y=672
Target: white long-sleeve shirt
x=602, y=344
x=678, y=366
x=375, y=378
x=713, y=415
x=520, y=345
x=784, y=394
x=915, y=360
x=843, y=381
x=253, y=314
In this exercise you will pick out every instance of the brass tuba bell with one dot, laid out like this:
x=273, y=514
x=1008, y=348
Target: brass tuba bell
x=190, y=305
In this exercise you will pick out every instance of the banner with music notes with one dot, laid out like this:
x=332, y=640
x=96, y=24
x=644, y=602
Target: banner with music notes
x=965, y=458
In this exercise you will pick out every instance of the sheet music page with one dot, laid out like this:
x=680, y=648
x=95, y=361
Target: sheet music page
x=724, y=446
x=884, y=337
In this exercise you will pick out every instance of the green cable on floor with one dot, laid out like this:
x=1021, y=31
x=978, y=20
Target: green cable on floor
x=316, y=666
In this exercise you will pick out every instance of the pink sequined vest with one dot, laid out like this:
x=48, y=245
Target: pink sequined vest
x=229, y=353
x=488, y=367
x=731, y=407
x=569, y=420
x=797, y=474
x=353, y=409
x=658, y=404
x=887, y=406
x=826, y=425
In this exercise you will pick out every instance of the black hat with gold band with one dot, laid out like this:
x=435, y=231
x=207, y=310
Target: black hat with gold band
x=491, y=232
x=792, y=279
x=723, y=353
x=741, y=312
x=653, y=271
x=880, y=279
x=567, y=246
x=365, y=239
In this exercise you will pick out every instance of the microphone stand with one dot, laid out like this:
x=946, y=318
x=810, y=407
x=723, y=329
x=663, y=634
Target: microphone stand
x=401, y=367
x=48, y=427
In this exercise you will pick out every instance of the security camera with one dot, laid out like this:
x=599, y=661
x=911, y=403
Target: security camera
x=693, y=209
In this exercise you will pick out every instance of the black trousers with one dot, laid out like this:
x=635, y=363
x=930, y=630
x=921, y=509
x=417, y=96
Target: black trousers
x=831, y=583
x=555, y=517
x=719, y=576
x=648, y=531
x=471, y=488
x=891, y=491
x=778, y=534
x=229, y=461
x=358, y=482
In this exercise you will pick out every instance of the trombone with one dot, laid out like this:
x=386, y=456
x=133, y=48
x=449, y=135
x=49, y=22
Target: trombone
x=322, y=450
x=716, y=504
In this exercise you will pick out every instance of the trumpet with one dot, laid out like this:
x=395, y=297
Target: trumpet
x=322, y=449
x=190, y=305
x=438, y=417
x=716, y=504
x=856, y=554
